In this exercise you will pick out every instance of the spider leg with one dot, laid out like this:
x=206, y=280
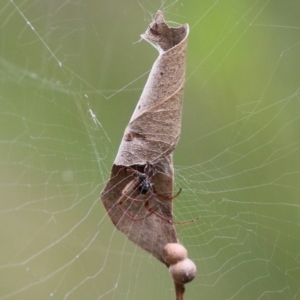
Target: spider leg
x=153, y=211
x=120, y=207
x=129, y=189
x=132, y=171
x=164, y=197
x=135, y=199
x=146, y=204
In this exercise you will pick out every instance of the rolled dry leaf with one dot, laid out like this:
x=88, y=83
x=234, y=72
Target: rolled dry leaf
x=151, y=233
x=154, y=129
x=149, y=140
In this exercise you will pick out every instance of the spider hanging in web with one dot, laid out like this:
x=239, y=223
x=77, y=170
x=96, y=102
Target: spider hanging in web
x=141, y=184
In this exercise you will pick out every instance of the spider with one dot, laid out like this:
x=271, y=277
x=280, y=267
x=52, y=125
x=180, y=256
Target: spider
x=142, y=184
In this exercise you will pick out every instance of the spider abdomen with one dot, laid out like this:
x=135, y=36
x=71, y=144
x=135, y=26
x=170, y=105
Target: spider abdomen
x=145, y=186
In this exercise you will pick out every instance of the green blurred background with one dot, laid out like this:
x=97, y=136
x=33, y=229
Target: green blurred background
x=71, y=74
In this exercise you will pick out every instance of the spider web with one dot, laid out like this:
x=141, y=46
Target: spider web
x=71, y=74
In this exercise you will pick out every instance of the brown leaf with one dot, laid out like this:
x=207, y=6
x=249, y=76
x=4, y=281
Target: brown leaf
x=149, y=140
x=154, y=128
x=150, y=233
